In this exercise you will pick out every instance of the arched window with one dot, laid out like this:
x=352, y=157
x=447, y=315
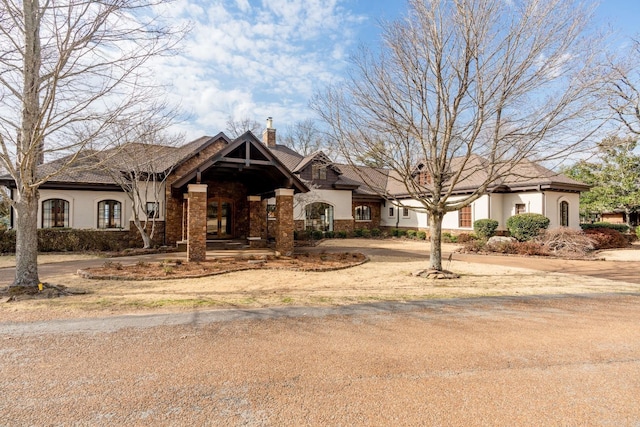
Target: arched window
x=363, y=213
x=109, y=214
x=319, y=216
x=564, y=214
x=55, y=213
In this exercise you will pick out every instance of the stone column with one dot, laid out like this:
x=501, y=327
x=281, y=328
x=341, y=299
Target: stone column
x=185, y=204
x=255, y=222
x=197, y=222
x=284, y=221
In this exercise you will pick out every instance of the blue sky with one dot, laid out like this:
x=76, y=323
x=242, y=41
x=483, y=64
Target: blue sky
x=260, y=58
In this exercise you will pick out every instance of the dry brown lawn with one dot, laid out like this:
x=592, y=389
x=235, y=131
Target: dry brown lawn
x=386, y=277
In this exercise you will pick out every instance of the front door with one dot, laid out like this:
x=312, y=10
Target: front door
x=219, y=219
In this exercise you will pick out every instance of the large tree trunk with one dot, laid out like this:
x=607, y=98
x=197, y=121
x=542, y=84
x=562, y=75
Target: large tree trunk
x=26, y=209
x=435, y=259
x=146, y=238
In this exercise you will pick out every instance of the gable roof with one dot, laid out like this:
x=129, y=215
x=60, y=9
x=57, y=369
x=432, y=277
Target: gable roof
x=255, y=153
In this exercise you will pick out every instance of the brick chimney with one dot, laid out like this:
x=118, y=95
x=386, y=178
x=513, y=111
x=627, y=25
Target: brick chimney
x=269, y=134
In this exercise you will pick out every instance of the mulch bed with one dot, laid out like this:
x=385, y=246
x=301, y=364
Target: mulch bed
x=172, y=269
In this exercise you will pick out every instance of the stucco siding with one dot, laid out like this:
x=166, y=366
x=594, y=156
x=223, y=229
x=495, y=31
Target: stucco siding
x=339, y=199
x=552, y=204
x=83, y=206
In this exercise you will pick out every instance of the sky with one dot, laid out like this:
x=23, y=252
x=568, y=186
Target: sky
x=266, y=58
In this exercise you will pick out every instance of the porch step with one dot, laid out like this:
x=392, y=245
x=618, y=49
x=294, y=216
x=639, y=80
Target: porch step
x=219, y=245
x=226, y=244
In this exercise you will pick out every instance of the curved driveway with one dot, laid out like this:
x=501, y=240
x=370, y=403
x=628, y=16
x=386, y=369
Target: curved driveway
x=623, y=271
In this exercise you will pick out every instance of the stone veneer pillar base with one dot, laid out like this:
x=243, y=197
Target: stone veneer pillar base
x=284, y=221
x=197, y=223
x=256, y=213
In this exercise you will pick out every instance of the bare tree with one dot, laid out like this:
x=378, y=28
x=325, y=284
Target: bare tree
x=305, y=138
x=465, y=90
x=70, y=73
x=624, y=88
x=140, y=167
x=237, y=127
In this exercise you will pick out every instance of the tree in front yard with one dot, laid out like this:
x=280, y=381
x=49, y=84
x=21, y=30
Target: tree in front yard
x=467, y=90
x=71, y=74
x=614, y=176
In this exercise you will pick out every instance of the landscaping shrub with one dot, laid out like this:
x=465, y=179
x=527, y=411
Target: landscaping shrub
x=394, y=232
x=366, y=232
x=566, y=241
x=375, y=232
x=518, y=248
x=402, y=233
x=357, y=232
x=465, y=237
x=474, y=246
x=485, y=228
x=71, y=240
x=526, y=226
x=329, y=234
x=411, y=234
x=606, y=238
x=449, y=238
x=7, y=241
x=622, y=228
x=421, y=235
x=638, y=232
x=317, y=234
x=342, y=234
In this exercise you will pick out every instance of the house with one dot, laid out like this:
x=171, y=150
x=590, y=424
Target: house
x=217, y=188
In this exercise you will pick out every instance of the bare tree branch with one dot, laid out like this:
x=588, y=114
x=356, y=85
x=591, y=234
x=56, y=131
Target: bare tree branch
x=71, y=75
x=468, y=90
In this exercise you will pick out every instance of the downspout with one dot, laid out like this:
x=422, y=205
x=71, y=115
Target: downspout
x=544, y=200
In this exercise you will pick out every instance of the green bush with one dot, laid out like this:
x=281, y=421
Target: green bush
x=402, y=233
x=366, y=232
x=421, y=235
x=317, y=234
x=485, y=228
x=526, y=226
x=449, y=238
x=622, y=228
x=375, y=232
x=342, y=234
x=357, y=232
x=394, y=232
x=638, y=232
x=71, y=240
x=412, y=234
x=329, y=234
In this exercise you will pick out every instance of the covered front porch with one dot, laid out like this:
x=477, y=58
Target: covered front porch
x=240, y=194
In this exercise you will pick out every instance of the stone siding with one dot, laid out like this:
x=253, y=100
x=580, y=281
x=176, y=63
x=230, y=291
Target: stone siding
x=375, y=215
x=284, y=222
x=197, y=224
x=173, y=214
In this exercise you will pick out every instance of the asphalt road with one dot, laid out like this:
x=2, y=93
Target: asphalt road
x=570, y=360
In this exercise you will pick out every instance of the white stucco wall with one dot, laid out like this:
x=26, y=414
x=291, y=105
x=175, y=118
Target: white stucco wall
x=416, y=218
x=83, y=206
x=552, y=205
x=339, y=199
x=495, y=206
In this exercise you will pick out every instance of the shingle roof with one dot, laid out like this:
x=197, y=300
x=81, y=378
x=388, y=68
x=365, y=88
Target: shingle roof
x=287, y=156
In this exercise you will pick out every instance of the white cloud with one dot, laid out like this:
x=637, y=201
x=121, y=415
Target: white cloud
x=256, y=58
